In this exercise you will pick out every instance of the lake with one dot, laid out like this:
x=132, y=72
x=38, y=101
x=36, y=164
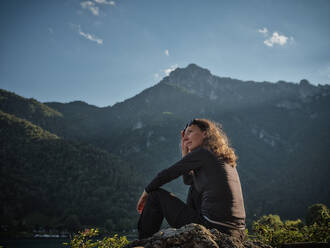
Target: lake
x=33, y=243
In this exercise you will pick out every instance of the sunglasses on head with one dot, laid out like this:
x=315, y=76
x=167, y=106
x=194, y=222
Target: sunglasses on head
x=198, y=123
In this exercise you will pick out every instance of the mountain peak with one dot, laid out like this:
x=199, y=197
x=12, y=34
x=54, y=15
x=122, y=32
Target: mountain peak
x=305, y=83
x=195, y=67
x=190, y=77
x=193, y=79
x=190, y=71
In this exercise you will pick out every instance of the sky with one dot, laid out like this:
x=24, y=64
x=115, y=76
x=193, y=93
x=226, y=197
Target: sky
x=103, y=51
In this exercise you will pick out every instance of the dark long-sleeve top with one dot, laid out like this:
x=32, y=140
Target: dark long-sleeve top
x=217, y=182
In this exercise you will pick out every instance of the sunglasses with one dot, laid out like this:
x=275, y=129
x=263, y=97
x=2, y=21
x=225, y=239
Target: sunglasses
x=198, y=123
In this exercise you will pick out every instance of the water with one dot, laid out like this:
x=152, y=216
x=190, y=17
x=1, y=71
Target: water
x=49, y=242
x=33, y=243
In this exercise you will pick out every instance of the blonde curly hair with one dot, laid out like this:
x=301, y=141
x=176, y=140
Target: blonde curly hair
x=216, y=140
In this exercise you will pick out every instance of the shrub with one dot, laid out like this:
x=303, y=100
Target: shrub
x=86, y=239
x=272, y=231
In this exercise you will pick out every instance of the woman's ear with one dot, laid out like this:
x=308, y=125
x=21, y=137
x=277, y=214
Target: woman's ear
x=204, y=134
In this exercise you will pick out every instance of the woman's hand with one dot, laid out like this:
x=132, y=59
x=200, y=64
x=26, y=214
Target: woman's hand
x=184, y=149
x=141, y=202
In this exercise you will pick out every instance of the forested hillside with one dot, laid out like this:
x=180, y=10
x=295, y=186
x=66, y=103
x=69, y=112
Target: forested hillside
x=56, y=184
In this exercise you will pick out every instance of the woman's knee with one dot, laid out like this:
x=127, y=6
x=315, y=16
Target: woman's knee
x=157, y=193
x=155, y=196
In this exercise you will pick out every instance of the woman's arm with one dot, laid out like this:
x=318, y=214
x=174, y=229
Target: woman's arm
x=141, y=202
x=191, y=161
x=188, y=178
x=184, y=149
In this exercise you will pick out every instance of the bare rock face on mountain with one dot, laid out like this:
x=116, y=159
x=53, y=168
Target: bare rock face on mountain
x=193, y=236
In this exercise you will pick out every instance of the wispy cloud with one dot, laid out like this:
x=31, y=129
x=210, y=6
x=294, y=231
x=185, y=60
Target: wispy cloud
x=275, y=39
x=88, y=36
x=169, y=70
x=113, y=3
x=92, y=6
x=91, y=37
x=167, y=53
x=263, y=31
x=160, y=74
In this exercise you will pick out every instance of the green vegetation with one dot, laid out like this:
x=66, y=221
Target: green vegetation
x=29, y=108
x=271, y=230
x=50, y=185
x=11, y=126
x=86, y=239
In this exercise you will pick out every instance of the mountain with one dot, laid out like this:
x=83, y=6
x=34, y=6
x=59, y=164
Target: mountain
x=280, y=132
x=51, y=183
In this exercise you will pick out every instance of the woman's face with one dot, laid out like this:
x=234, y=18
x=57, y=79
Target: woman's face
x=193, y=137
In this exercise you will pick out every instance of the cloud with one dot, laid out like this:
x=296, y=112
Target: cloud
x=113, y=3
x=91, y=7
x=88, y=36
x=263, y=31
x=91, y=37
x=156, y=76
x=276, y=39
x=169, y=70
x=167, y=53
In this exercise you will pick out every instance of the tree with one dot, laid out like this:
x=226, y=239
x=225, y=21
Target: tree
x=273, y=221
x=271, y=230
x=318, y=213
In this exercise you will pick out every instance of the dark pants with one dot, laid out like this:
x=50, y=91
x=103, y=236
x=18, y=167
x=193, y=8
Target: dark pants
x=163, y=204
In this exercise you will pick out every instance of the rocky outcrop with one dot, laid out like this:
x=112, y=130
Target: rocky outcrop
x=193, y=236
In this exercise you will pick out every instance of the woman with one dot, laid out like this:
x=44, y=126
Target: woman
x=215, y=198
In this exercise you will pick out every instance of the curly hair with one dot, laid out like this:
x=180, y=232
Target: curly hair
x=216, y=140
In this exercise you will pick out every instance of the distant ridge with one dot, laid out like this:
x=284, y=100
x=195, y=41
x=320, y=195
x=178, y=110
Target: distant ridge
x=201, y=82
x=28, y=108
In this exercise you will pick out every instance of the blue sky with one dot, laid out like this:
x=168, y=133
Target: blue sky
x=104, y=51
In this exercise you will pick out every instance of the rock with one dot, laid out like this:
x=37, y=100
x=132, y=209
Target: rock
x=193, y=236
